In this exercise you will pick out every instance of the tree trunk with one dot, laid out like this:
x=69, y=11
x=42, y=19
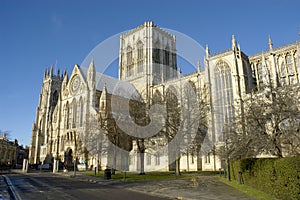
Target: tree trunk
x=141, y=149
x=187, y=161
x=199, y=159
x=228, y=169
x=177, y=167
x=142, y=160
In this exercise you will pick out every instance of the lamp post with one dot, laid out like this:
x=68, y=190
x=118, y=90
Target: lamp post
x=75, y=153
x=74, y=166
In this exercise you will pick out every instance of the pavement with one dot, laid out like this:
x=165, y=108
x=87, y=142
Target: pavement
x=4, y=189
x=204, y=187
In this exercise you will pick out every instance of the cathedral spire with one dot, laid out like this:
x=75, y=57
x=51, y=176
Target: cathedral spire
x=103, y=102
x=233, y=42
x=91, y=70
x=45, y=73
x=198, y=66
x=65, y=77
x=91, y=75
x=207, y=51
x=51, y=71
x=270, y=43
x=65, y=73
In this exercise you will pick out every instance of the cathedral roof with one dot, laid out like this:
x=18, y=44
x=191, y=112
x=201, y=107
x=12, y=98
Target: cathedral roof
x=113, y=85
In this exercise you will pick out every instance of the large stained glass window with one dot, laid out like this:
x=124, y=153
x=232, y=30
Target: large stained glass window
x=224, y=97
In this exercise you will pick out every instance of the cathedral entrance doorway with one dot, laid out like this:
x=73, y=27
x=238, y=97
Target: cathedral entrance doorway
x=68, y=159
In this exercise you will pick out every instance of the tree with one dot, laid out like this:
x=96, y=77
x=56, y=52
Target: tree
x=267, y=124
x=186, y=124
x=92, y=139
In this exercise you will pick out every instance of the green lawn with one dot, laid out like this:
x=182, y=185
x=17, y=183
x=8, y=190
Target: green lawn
x=170, y=175
x=148, y=176
x=257, y=194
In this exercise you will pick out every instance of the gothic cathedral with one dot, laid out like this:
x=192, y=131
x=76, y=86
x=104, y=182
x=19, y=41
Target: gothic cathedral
x=82, y=118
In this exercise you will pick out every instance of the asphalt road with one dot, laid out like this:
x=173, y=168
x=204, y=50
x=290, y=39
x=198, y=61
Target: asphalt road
x=44, y=186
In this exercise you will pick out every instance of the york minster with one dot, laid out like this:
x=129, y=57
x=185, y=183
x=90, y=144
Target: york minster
x=95, y=120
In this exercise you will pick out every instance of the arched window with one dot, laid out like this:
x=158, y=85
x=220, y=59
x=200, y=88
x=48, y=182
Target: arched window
x=290, y=68
x=283, y=73
x=129, y=61
x=167, y=56
x=156, y=53
x=259, y=72
x=67, y=115
x=224, y=97
x=74, y=114
x=81, y=113
x=54, y=98
x=140, y=50
x=156, y=57
x=297, y=62
x=129, y=55
x=140, y=57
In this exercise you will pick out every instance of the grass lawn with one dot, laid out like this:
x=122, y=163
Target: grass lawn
x=148, y=176
x=257, y=194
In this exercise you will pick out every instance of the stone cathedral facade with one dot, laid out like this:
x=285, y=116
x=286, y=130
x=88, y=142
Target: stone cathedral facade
x=148, y=63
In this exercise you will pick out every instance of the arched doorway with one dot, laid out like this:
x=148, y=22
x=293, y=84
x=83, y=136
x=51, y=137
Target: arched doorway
x=68, y=158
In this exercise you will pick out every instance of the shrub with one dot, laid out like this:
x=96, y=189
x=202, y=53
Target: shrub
x=279, y=177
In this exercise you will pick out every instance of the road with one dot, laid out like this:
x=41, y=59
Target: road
x=50, y=186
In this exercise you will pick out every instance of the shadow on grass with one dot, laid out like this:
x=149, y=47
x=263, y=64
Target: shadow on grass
x=130, y=176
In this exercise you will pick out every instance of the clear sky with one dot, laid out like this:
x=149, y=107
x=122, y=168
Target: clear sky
x=36, y=34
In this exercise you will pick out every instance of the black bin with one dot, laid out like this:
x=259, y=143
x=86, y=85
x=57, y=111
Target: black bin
x=107, y=174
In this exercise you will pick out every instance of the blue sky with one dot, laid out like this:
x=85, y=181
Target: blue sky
x=36, y=34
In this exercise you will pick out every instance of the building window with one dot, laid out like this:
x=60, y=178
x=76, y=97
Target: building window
x=259, y=72
x=289, y=64
x=129, y=70
x=131, y=160
x=224, y=97
x=129, y=56
x=290, y=67
x=283, y=73
x=140, y=66
x=140, y=50
x=67, y=115
x=156, y=53
x=74, y=114
x=157, y=159
x=81, y=114
x=192, y=158
x=148, y=160
x=166, y=57
x=207, y=158
x=297, y=62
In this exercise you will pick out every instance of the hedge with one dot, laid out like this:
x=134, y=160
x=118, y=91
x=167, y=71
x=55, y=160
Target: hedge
x=279, y=177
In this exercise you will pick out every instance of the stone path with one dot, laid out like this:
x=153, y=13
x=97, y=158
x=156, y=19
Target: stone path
x=201, y=187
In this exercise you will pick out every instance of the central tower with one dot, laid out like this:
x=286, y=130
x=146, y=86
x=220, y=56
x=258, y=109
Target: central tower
x=147, y=56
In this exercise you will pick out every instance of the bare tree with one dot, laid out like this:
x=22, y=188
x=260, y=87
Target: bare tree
x=269, y=124
x=92, y=139
x=186, y=124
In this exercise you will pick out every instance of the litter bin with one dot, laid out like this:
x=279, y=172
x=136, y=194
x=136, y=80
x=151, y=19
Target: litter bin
x=107, y=174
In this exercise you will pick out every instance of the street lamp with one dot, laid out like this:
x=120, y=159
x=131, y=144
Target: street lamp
x=74, y=166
